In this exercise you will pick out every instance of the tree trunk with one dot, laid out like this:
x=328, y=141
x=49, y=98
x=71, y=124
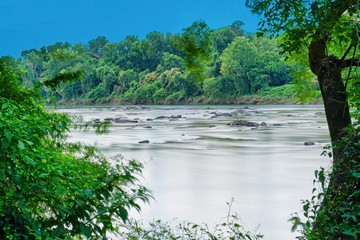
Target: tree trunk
x=335, y=100
x=333, y=92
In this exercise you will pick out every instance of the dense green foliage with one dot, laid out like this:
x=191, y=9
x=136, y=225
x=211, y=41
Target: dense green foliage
x=198, y=65
x=327, y=31
x=51, y=189
x=333, y=214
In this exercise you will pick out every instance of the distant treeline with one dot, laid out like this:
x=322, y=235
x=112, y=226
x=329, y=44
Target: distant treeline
x=198, y=65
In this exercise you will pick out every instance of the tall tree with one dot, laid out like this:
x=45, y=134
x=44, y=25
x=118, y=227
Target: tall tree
x=224, y=36
x=238, y=61
x=314, y=26
x=49, y=188
x=196, y=43
x=253, y=65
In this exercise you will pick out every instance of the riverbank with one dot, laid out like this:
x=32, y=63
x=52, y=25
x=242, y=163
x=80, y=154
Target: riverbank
x=241, y=100
x=285, y=94
x=256, y=99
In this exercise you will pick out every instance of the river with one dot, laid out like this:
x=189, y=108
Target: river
x=195, y=163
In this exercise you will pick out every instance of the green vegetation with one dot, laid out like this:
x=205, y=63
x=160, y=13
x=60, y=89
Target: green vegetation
x=229, y=229
x=327, y=33
x=331, y=214
x=281, y=94
x=51, y=189
x=199, y=65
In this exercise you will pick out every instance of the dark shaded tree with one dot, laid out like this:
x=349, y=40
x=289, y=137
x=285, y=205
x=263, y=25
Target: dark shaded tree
x=328, y=31
x=314, y=26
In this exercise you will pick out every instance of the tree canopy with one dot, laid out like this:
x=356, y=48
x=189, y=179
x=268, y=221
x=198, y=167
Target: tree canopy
x=327, y=31
x=52, y=189
x=162, y=68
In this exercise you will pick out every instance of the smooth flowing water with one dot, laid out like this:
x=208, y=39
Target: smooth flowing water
x=196, y=163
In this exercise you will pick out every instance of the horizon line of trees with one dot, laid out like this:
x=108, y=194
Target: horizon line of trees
x=217, y=65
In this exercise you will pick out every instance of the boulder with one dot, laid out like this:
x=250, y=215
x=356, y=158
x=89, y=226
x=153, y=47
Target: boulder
x=161, y=117
x=124, y=120
x=130, y=108
x=252, y=124
x=224, y=114
x=309, y=143
x=237, y=123
x=243, y=123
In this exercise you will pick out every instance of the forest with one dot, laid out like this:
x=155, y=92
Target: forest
x=54, y=189
x=200, y=65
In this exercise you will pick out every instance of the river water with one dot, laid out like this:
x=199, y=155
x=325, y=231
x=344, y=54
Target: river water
x=196, y=163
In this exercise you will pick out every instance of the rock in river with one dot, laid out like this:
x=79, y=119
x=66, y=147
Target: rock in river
x=161, y=117
x=243, y=123
x=309, y=143
x=124, y=120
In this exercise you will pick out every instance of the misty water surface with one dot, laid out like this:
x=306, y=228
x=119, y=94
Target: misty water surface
x=196, y=163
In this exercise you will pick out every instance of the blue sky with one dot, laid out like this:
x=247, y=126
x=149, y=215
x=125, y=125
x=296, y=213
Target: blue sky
x=27, y=24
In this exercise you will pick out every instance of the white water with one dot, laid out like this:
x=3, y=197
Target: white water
x=196, y=164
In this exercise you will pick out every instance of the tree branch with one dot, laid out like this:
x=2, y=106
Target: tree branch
x=352, y=62
x=317, y=49
x=351, y=65
x=346, y=52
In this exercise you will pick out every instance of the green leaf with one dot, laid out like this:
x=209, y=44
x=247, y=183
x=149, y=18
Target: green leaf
x=30, y=161
x=102, y=210
x=21, y=145
x=195, y=226
x=63, y=77
x=356, y=174
x=123, y=214
x=43, y=175
x=85, y=230
x=5, y=106
x=88, y=192
x=8, y=135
